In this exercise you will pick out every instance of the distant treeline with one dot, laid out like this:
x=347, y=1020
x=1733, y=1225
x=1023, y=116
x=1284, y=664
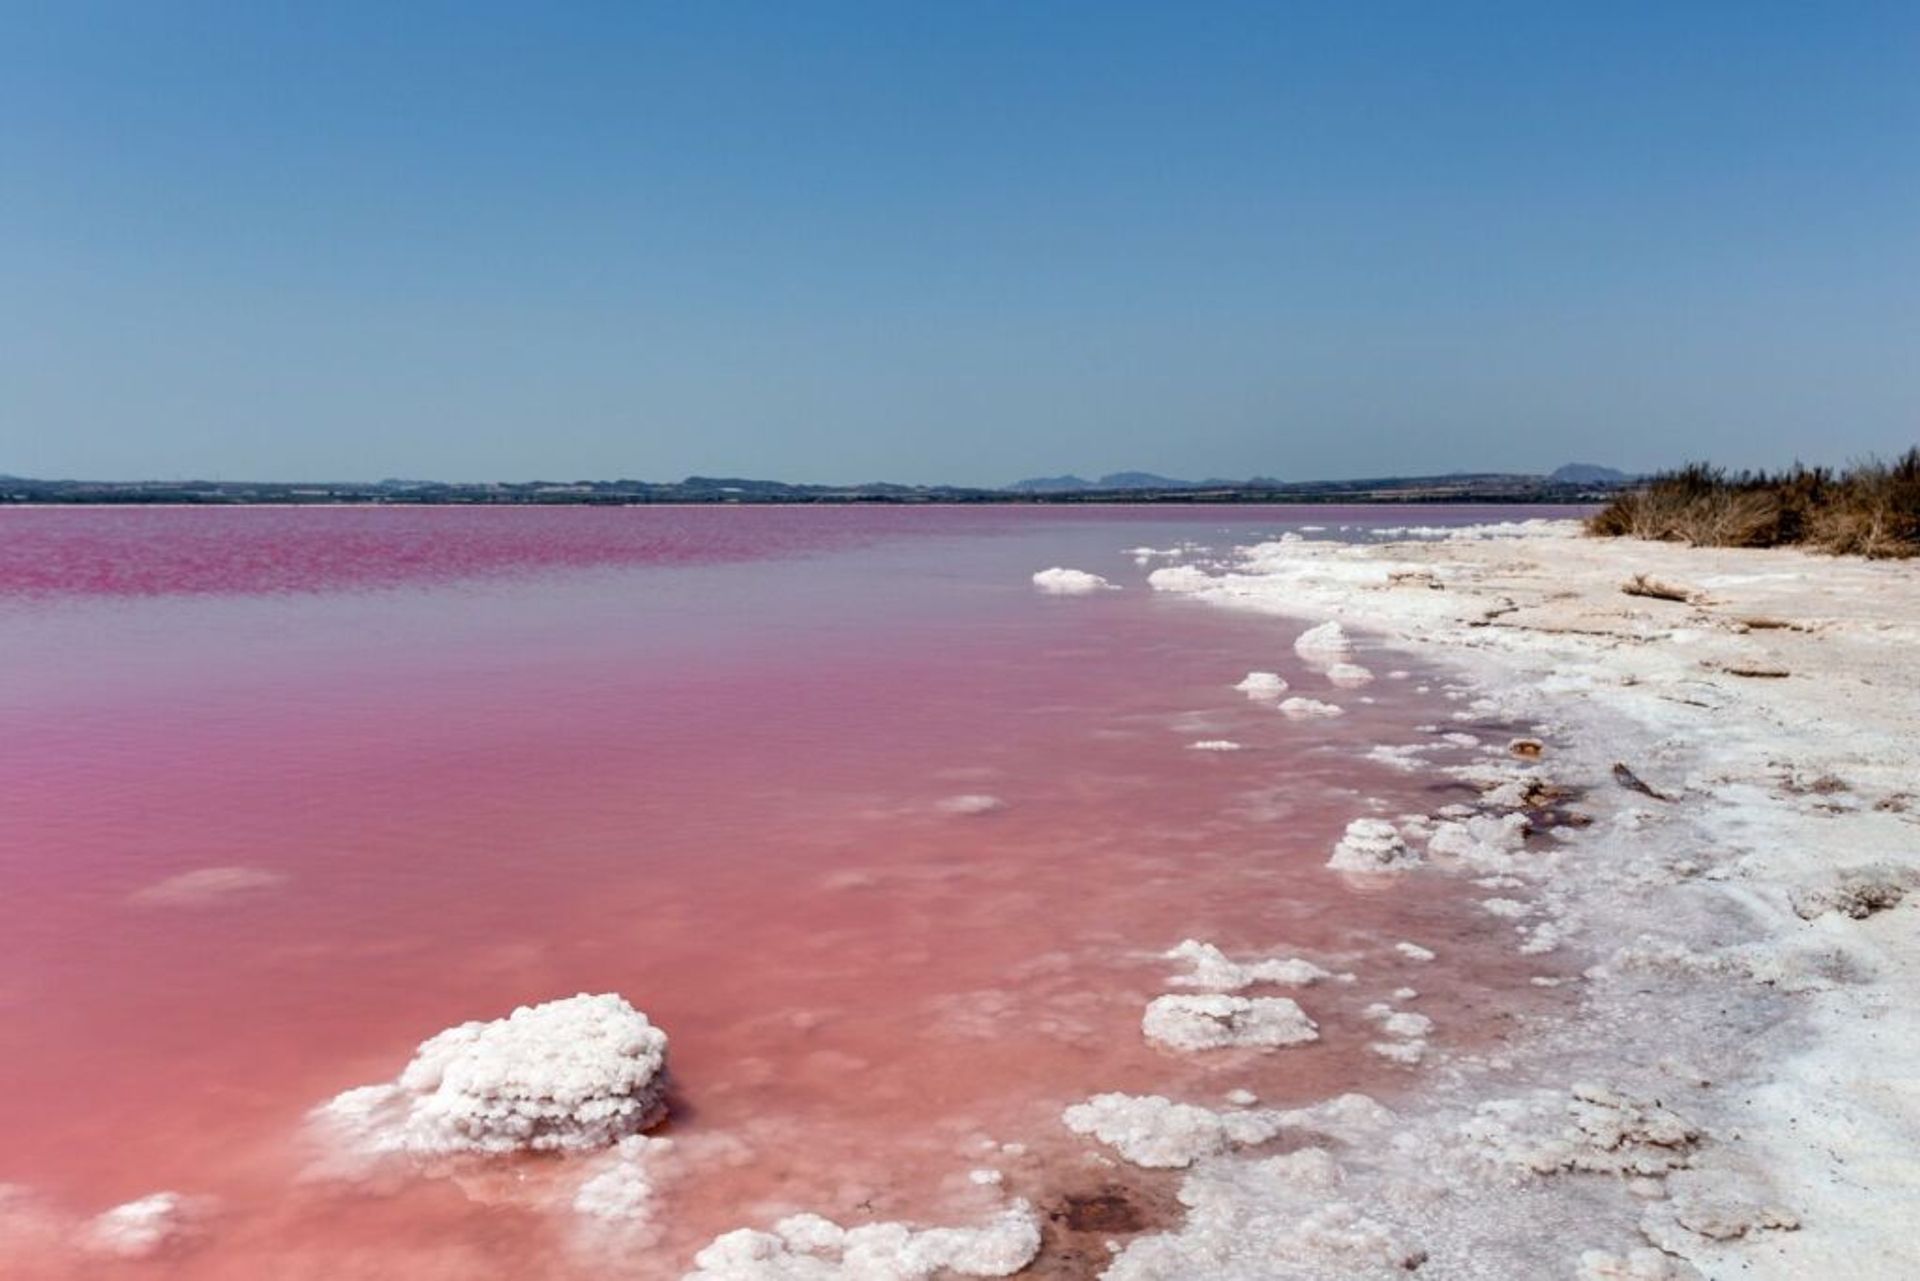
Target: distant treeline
x=1869, y=509
x=1459, y=488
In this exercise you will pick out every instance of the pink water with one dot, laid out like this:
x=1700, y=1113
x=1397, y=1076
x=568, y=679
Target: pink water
x=694, y=756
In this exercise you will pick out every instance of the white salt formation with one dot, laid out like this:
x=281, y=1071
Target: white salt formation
x=1349, y=675
x=807, y=1247
x=567, y=1076
x=1262, y=685
x=1219, y=1022
x=1328, y=640
x=140, y=1229
x=1598, y=1130
x=1304, y=708
x=1158, y=1134
x=1265, y=1220
x=1372, y=845
x=622, y=1187
x=1483, y=842
x=971, y=803
x=1214, y=745
x=207, y=885
x=1070, y=582
x=1214, y=972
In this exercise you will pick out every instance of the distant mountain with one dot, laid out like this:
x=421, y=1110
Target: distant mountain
x=1111, y=481
x=1051, y=485
x=1140, y=480
x=1588, y=474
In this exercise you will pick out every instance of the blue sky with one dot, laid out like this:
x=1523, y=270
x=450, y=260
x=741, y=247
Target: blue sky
x=959, y=242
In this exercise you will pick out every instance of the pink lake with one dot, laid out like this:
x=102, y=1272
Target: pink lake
x=470, y=759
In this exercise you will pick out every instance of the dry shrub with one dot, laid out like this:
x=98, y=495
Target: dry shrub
x=1872, y=509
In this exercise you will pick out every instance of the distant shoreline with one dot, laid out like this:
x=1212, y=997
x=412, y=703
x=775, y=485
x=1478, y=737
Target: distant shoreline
x=1410, y=491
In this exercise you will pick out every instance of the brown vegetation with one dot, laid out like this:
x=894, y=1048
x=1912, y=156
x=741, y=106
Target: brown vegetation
x=1871, y=509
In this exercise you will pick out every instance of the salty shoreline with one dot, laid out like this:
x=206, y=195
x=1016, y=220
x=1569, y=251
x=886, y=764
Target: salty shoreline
x=1735, y=1093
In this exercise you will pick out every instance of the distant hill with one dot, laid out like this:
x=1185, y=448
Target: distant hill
x=1588, y=474
x=1141, y=480
x=1112, y=481
x=1050, y=485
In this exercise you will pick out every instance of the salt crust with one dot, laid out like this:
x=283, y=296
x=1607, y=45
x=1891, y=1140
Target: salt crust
x=1158, y=1134
x=807, y=1247
x=570, y=1075
x=1214, y=745
x=1070, y=582
x=1595, y=1129
x=1212, y=971
x=1483, y=842
x=1349, y=675
x=1218, y=1022
x=1741, y=875
x=1258, y=1220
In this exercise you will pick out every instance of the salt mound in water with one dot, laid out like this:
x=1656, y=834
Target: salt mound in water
x=1217, y=1022
x=1262, y=685
x=1215, y=971
x=1372, y=845
x=1069, y=582
x=1328, y=640
x=141, y=1228
x=567, y=1076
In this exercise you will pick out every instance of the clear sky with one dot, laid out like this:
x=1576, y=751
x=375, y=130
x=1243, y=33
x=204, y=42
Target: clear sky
x=960, y=242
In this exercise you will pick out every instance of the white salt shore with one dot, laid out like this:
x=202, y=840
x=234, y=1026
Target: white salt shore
x=1731, y=1092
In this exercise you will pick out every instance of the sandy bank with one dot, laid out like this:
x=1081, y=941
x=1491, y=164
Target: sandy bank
x=1739, y=1092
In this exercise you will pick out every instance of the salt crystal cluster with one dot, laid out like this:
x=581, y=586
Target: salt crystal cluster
x=1262, y=685
x=1306, y=708
x=1069, y=582
x=1214, y=972
x=1598, y=1130
x=1483, y=842
x=1349, y=675
x=142, y=1228
x=1218, y=1022
x=807, y=1247
x=1159, y=1134
x=567, y=1076
x=1156, y=1133
x=622, y=1187
x=1372, y=845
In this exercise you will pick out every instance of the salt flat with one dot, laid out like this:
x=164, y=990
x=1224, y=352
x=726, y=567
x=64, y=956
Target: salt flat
x=1737, y=1094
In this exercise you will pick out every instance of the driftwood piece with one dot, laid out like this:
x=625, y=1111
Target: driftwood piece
x=1660, y=589
x=1634, y=783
